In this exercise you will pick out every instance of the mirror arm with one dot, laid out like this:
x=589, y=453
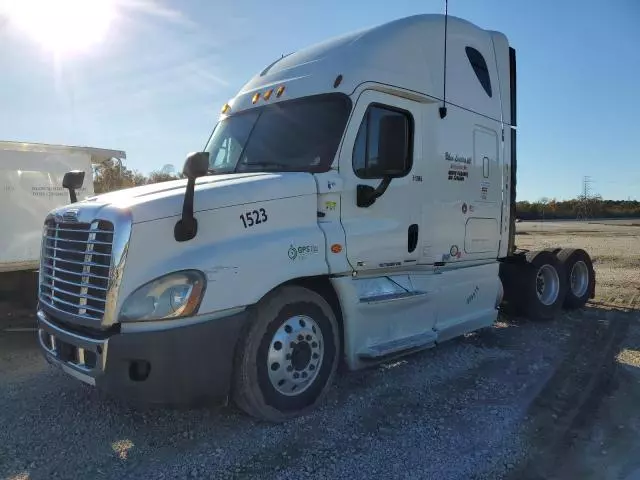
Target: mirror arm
x=72, y=195
x=187, y=227
x=368, y=195
x=384, y=184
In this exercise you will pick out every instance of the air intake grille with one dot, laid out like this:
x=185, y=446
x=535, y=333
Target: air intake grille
x=75, y=267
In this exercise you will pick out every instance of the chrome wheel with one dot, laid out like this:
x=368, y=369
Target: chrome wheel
x=579, y=279
x=295, y=355
x=547, y=284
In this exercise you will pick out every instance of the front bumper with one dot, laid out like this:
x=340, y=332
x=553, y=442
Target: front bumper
x=187, y=364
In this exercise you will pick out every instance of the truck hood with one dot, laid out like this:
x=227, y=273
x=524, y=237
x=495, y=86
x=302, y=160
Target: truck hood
x=162, y=200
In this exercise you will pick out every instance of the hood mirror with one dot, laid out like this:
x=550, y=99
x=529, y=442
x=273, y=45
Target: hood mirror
x=73, y=181
x=196, y=165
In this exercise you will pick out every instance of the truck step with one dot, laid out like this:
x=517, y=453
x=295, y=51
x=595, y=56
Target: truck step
x=390, y=297
x=415, y=342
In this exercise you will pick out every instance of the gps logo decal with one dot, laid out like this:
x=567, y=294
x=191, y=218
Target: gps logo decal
x=302, y=251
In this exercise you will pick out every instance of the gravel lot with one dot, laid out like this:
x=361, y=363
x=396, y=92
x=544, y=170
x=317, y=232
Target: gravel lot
x=518, y=400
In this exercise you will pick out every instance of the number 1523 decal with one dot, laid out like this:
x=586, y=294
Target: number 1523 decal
x=249, y=219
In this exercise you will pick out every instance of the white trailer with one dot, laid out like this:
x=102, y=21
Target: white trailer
x=347, y=208
x=30, y=187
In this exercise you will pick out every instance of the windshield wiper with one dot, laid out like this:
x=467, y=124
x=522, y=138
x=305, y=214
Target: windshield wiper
x=246, y=166
x=219, y=171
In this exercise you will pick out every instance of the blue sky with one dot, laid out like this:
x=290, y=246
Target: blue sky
x=155, y=85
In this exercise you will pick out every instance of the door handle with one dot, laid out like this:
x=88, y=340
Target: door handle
x=412, y=238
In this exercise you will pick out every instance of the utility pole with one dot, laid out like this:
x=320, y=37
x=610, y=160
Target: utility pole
x=586, y=186
x=586, y=199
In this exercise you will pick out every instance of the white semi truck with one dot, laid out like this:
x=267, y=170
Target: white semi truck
x=31, y=176
x=355, y=202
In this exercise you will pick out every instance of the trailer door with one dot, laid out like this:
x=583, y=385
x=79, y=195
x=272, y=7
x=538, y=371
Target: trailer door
x=30, y=187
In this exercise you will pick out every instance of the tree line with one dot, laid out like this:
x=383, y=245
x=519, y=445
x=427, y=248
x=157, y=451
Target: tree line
x=111, y=176
x=549, y=209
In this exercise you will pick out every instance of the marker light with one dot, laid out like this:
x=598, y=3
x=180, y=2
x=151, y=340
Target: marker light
x=256, y=97
x=267, y=94
x=280, y=91
x=225, y=108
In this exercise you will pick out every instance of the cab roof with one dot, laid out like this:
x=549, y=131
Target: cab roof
x=407, y=53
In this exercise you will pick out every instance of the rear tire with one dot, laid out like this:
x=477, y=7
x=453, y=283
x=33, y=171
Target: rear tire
x=544, y=285
x=287, y=358
x=580, y=276
x=534, y=285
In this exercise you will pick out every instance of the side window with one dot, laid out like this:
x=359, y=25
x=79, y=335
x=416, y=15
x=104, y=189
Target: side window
x=223, y=154
x=480, y=68
x=228, y=153
x=383, y=145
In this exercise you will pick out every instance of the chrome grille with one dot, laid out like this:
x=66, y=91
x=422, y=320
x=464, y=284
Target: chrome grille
x=75, y=266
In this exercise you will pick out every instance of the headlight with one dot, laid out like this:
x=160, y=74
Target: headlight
x=174, y=295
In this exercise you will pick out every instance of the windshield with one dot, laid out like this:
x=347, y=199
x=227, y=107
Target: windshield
x=296, y=136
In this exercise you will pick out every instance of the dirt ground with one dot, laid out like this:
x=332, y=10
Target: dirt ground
x=586, y=421
x=521, y=400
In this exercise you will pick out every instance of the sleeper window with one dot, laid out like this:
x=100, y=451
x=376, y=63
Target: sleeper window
x=480, y=68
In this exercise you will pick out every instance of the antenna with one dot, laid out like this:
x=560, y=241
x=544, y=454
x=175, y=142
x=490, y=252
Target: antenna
x=443, y=108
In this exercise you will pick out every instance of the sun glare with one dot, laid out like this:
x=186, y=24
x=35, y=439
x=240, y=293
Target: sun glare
x=64, y=27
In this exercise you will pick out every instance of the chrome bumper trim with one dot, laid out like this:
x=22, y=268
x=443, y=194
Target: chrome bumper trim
x=71, y=351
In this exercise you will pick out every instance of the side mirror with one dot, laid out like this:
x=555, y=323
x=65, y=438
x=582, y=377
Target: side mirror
x=196, y=165
x=72, y=181
x=393, y=158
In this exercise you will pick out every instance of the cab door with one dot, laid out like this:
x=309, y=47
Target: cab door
x=381, y=199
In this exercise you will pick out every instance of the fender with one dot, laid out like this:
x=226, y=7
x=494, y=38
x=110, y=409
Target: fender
x=244, y=250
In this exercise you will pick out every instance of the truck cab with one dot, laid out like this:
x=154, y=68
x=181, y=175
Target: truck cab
x=353, y=203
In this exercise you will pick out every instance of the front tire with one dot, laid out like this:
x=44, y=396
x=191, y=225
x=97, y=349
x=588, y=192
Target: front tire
x=288, y=356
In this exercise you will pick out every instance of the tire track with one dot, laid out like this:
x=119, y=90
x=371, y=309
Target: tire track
x=573, y=394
